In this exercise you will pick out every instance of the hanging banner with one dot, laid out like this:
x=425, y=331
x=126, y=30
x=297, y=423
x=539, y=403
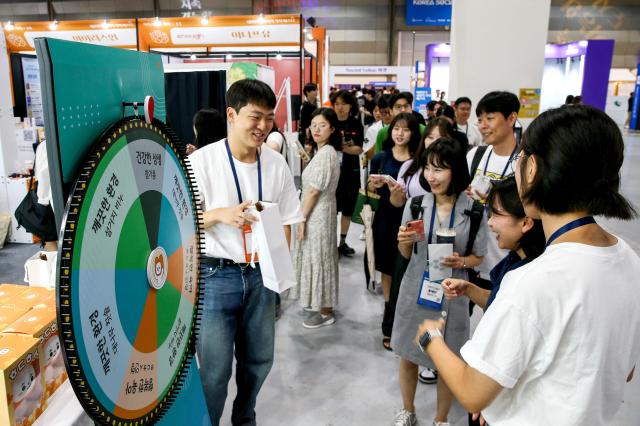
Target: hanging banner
x=114, y=33
x=225, y=31
x=635, y=106
x=421, y=99
x=529, y=103
x=428, y=12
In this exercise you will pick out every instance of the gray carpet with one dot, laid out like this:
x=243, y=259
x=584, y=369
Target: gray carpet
x=12, y=259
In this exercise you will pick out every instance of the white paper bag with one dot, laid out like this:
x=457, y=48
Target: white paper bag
x=40, y=269
x=437, y=271
x=273, y=251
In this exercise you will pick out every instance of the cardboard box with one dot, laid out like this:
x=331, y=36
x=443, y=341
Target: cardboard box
x=35, y=296
x=9, y=314
x=22, y=397
x=9, y=291
x=41, y=324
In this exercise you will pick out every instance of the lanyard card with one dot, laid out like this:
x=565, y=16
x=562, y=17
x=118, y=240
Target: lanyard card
x=437, y=271
x=431, y=293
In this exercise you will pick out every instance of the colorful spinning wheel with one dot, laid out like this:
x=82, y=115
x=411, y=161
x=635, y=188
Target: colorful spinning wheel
x=128, y=294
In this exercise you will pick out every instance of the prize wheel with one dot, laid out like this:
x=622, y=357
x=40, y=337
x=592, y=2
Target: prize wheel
x=128, y=280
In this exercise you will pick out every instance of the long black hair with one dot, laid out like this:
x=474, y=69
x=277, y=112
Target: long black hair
x=210, y=125
x=413, y=126
x=505, y=194
x=335, y=140
x=578, y=153
x=445, y=128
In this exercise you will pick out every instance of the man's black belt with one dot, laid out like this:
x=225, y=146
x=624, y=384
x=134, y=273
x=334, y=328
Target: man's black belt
x=218, y=262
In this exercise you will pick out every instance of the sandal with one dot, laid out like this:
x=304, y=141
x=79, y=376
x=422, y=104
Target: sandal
x=386, y=343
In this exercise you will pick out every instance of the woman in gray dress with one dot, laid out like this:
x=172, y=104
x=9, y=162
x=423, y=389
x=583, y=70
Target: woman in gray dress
x=316, y=253
x=445, y=169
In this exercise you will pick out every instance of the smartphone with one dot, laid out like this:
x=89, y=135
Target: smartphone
x=389, y=179
x=418, y=227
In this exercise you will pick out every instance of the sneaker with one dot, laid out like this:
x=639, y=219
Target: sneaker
x=318, y=320
x=428, y=376
x=405, y=418
x=363, y=236
x=308, y=309
x=345, y=250
x=440, y=423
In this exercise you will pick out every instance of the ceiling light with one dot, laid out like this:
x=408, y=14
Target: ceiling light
x=304, y=30
x=53, y=25
x=105, y=24
x=204, y=20
x=8, y=26
x=193, y=57
x=261, y=19
x=157, y=22
x=279, y=57
x=309, y=36
x=229, y=56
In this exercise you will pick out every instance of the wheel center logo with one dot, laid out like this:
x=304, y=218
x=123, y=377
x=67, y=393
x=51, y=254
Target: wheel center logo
x=157, y=268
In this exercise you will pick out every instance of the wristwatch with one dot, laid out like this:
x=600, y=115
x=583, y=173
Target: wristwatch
x=428, y=335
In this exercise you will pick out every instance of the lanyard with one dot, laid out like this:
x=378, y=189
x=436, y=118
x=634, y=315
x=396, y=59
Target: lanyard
x=587, y=220
x=433, y=218
x=235, y=174
x=505, y=167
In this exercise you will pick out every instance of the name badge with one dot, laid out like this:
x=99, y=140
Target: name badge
x=431, y=293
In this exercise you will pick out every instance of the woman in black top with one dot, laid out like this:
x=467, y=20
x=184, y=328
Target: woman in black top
x=402, y=142
x=346, y=107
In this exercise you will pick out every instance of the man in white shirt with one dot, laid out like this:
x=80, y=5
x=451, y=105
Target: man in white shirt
x=462, y=107
x=238, y=311
x=497, y=114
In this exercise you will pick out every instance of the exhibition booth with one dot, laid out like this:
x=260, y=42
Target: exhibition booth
x=103, y=95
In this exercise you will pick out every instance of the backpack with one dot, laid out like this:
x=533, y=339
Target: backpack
x=34, y=217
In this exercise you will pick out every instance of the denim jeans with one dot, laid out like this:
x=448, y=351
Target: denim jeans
x=237, y=311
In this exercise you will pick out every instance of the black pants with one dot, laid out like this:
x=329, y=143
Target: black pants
x=390, y=307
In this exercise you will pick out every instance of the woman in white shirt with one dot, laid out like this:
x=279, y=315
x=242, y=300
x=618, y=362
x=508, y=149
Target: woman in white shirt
x=563, y=334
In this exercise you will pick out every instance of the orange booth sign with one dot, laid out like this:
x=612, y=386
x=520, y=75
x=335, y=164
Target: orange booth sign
x=114, y=33
x=224, y=31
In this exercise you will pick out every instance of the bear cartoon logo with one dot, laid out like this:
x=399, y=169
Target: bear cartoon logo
x=159, y=266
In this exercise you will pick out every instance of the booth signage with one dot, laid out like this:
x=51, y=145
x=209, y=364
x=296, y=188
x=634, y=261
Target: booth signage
x=428, y=12
x=529, y=103
x=111, y=38
x=635, y=107
x=277, y=34
x=421, y=99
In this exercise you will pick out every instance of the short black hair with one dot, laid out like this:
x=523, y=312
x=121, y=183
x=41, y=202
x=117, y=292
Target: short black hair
x=446, y=111
x=348, y=98
x=579, y=152
x=568, y=100
x=462, y=100
x=210, y=125
x=412, y=124
x=505, y=103
x=248, y=91
x=335, y=140
x=309, y=87
x=504, y=193
x=402, y=95
x=431, y=105
x=446, y=153
x=383, y=101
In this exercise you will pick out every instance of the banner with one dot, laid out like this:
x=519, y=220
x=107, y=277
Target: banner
x=435, y=13
x=421, y=99
x=529, y=103
x=114, y=33
x=635, y=107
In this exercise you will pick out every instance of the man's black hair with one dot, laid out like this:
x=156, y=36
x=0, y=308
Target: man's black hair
x=505, y=103
x=247, y=91
x=309, y=87
x=462, y=100
x=402, y=95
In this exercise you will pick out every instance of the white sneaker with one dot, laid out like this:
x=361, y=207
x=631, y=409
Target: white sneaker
x=405, y=418
x=363, y=236
x=440, y=423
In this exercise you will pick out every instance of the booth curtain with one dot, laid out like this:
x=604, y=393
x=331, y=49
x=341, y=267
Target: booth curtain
x=188, y=92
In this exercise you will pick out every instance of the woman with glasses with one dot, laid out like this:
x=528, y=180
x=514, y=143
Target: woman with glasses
x=315, y=251
x=563, y=333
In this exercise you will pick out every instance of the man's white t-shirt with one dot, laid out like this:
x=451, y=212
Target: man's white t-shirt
x=472, y=132
x=494, y=169
x=371, y=135
x=217, y=189
x=561, y=337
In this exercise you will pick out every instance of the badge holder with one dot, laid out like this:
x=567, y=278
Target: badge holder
x=431, y=293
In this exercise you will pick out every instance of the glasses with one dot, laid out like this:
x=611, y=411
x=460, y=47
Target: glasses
x=402, y=107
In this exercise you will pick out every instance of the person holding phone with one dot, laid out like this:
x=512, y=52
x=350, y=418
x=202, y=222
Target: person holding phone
x=563, y=334
x=402, y=141
x=446, y=173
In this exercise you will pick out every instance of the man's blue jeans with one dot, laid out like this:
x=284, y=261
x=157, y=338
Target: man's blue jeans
x=238, y=310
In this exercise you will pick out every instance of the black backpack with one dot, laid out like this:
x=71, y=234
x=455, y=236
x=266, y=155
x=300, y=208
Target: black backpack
x=35, y=217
